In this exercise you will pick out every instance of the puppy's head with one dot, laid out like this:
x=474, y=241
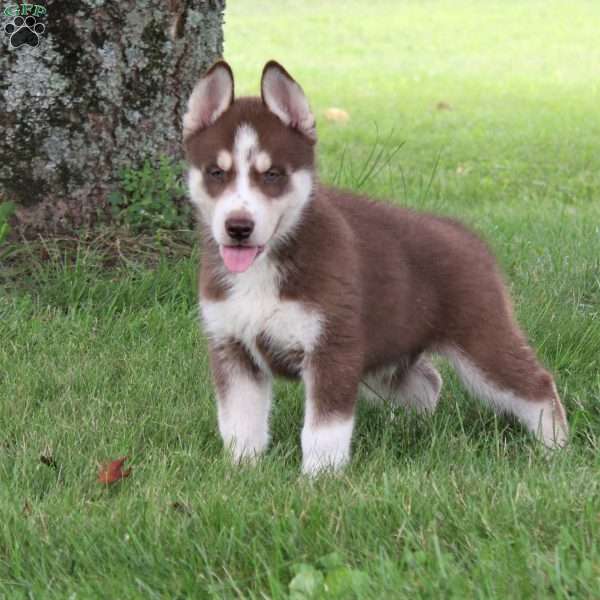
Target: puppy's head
x=251, y=161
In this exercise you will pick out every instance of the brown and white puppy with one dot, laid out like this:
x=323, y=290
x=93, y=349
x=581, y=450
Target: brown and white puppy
x=309, y=282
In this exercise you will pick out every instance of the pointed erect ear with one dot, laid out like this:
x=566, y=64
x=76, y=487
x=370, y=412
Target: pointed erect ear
x=285, y=98
x=210, y=98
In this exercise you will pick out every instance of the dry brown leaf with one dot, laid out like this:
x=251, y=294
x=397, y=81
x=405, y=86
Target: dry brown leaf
x=337, y=115
x=113, y=471
x=47, y=459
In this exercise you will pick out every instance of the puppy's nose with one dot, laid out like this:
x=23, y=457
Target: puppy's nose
x=239, y=228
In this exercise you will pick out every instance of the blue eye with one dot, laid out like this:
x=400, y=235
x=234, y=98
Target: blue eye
x=273, y=175
x=216, y=173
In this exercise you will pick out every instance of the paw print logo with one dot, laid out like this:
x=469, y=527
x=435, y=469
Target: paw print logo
x=24, y=31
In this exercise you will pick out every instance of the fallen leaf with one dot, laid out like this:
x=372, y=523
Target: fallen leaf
x=337, y=115
x=181, y=508
x=113, y=471
x=48, y=460
x=441, y=105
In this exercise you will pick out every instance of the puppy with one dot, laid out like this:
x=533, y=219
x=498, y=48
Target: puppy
x=305, y=281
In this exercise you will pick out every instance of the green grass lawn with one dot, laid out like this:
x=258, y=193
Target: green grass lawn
x=98, y=364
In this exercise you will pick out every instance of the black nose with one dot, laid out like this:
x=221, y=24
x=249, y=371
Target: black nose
x=239, y=228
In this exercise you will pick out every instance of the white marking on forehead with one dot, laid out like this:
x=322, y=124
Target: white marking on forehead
x=262, y=162
x=224, y=160
x=245, y=146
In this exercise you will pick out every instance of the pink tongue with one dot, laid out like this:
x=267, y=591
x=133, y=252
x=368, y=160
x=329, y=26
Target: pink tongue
x=238, y=258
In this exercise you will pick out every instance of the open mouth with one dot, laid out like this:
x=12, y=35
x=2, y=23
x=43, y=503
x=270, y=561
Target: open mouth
x=238, y=259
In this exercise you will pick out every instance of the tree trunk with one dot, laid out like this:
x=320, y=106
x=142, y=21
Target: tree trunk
x=104, y=88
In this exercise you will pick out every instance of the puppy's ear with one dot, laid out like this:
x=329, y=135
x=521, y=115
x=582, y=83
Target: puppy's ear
x=285, y=98
x=210, y=98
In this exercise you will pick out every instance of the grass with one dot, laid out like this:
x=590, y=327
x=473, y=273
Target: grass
x=97, y=364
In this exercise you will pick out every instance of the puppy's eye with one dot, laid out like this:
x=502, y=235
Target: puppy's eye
x=273, y=175
x=216, y=173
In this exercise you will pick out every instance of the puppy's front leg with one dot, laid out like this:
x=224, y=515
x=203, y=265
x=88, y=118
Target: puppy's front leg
x=243, y=400
x=328, y=416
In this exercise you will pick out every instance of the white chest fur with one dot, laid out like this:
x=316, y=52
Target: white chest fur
x=253, y=308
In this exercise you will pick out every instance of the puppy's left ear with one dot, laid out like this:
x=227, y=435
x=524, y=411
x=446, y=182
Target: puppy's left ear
x=285, y=98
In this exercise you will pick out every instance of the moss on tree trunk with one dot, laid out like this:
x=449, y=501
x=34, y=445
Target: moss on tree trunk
x=104, y=88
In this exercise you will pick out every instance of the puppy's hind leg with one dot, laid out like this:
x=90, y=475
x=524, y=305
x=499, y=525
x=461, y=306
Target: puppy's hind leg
x=420, y=388
x=415, y=387
x=510, y=379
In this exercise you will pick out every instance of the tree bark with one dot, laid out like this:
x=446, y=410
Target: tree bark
x=105, y=88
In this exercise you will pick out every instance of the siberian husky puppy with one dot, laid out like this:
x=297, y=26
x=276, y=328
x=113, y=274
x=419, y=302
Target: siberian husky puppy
x=305, y=281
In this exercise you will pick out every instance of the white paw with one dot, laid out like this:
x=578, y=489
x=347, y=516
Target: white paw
x=315, y=464
x=246, y=449
x=552, y=430
x=420, y=390
x=326, y=447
